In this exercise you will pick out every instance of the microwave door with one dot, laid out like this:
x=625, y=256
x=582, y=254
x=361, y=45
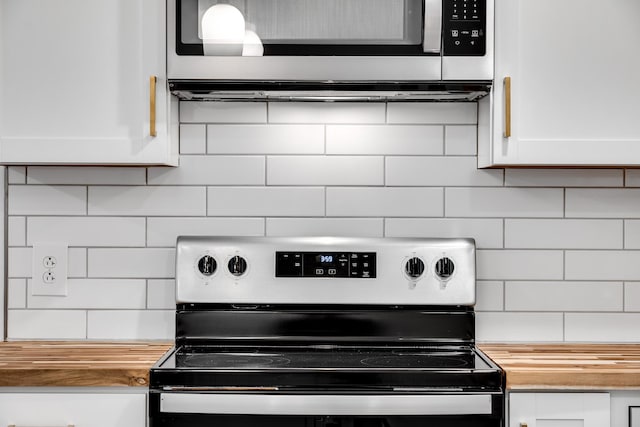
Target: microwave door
x=311, y=27
x=312, y=40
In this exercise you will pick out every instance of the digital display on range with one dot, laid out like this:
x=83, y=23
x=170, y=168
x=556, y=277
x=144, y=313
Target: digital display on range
x=325, y=259
x=361, y=265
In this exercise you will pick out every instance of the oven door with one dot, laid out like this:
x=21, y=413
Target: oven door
x=322, y=410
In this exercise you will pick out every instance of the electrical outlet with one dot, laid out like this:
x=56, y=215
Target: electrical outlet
x=49, y=273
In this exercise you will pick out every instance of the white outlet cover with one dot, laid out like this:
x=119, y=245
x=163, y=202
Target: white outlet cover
x=49, y=269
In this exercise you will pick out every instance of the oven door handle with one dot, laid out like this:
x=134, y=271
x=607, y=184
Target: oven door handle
x=320, y=404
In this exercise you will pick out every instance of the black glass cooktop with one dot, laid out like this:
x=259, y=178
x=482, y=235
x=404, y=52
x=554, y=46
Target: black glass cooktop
x=326, y=359
x=325, y=367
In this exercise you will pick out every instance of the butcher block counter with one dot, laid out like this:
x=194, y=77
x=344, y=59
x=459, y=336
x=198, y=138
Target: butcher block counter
x=568, y=366
x=77, y=364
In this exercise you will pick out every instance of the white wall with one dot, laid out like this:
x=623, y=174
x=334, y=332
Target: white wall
x=558, y=250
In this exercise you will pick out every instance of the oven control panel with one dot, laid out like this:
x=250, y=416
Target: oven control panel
x=325, y=270
x=360, y=265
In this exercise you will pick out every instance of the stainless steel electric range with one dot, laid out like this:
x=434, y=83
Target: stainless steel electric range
x=325, y=331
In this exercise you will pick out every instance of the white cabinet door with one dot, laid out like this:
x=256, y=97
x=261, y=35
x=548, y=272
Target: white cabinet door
x=75, y=82
x=77, y=409
x=574, y=67
x=559, y=410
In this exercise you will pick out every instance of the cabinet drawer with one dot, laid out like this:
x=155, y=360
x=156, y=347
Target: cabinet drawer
x=77, y=409
x=559, y=409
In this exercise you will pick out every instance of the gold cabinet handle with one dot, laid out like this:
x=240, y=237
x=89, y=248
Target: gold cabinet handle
x=523, y=425
x=152, y=106
x=507, y=118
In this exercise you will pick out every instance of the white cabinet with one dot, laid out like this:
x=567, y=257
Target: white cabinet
x=559, y=410
x=573, y=67
x=75, y=83
x=76, y=409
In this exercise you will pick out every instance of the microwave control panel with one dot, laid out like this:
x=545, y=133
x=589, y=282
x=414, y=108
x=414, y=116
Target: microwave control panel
x=464, y=27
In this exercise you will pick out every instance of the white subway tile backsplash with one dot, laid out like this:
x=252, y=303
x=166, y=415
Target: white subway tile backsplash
x=519, y=327
x=161, y=294
x=17, y=175
x=632, y=296
x=16, y=230
x=602, y=327
x=17, y=293
x=558, y=249
x=486, y=232
x=563, y=234
x=131, y=324
x=211, y=170
x=147, y=201
x=326, y=112
x=381, y=139
x=325, y=170
x=458, y=113
x=564, y=177
x=223, y=112
x=460, y=140
x=631, y=234
x=353, y=227
x=489, y=295
x=265, y=139
x=603, y=203
x=563, y=296
x=379, y=202
x=52, y=175
x=504, y=202
x=19, y=262
x=439, y=171
x=265, y=201
x=140, y=263
x=47, y=324
x=193, y=139
x=47, y=200
x=602, y=265
x=87, y=231
x=165, y=231
x=95, y=294
x=519, y=265
x=77, y=263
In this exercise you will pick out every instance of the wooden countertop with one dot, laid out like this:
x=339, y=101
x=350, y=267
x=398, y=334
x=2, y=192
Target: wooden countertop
x=568, y=366
x=41, y=363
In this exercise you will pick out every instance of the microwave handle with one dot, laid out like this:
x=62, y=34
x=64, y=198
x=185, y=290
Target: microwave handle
x=432, y=26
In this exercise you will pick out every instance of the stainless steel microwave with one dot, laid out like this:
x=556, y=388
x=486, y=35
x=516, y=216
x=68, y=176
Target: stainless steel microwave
x=218, y=46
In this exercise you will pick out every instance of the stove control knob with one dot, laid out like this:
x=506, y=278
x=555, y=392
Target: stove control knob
x=237, y=265
x=444, y=268
x=414, y=267
x=207, y=265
